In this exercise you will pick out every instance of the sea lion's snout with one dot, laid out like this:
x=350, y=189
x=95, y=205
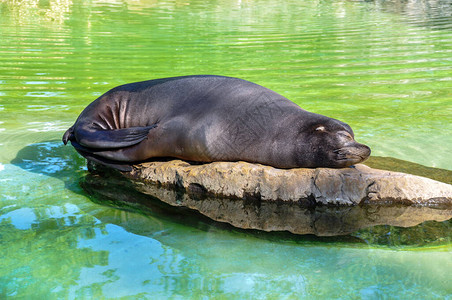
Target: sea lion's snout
x=351, y=154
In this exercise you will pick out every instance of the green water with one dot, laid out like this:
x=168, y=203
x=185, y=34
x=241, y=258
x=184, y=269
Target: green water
x=384, y=67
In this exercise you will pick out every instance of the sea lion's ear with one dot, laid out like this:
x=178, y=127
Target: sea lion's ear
x=320, y=128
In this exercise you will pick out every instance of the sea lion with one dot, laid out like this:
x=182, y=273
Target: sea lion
x=209, y=118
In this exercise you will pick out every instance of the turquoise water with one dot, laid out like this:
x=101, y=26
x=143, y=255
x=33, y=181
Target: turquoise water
x=384, y=67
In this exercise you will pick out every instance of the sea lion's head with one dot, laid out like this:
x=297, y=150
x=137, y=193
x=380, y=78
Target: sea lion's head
x=332, y=144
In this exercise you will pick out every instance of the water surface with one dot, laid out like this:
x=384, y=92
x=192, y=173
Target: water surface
x=384, y=67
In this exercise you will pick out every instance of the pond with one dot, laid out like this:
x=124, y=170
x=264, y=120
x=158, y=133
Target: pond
x=384, y=67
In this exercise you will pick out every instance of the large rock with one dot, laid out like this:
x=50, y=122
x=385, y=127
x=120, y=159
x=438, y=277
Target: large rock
x=241, y=180
x=259, y=197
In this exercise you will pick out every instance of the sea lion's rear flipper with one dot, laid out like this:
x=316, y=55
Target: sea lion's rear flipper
x=112, y=139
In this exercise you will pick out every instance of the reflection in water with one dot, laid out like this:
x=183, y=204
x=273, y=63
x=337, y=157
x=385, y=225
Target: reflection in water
x=41, y=222
x=50, y=11
x=41, y=251
x=269, y=216
x=434, y=14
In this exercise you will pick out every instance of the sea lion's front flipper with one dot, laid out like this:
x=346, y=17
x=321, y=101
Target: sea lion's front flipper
x=112, y=139
x=123, y=167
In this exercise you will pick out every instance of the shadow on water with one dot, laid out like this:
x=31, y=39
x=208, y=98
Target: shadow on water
x=398, y=165
x=393, y=226
x=52, y=158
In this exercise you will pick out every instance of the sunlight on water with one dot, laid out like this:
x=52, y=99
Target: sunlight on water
x=384, y=67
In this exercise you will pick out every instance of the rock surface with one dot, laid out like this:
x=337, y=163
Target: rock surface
x=241, y=180
x=259, y=197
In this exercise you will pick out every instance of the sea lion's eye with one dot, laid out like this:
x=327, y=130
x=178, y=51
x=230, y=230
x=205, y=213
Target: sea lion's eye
x=320, y=128
x=345, y=134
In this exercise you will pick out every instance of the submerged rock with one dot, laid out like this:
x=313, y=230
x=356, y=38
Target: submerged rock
x=324, y=202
